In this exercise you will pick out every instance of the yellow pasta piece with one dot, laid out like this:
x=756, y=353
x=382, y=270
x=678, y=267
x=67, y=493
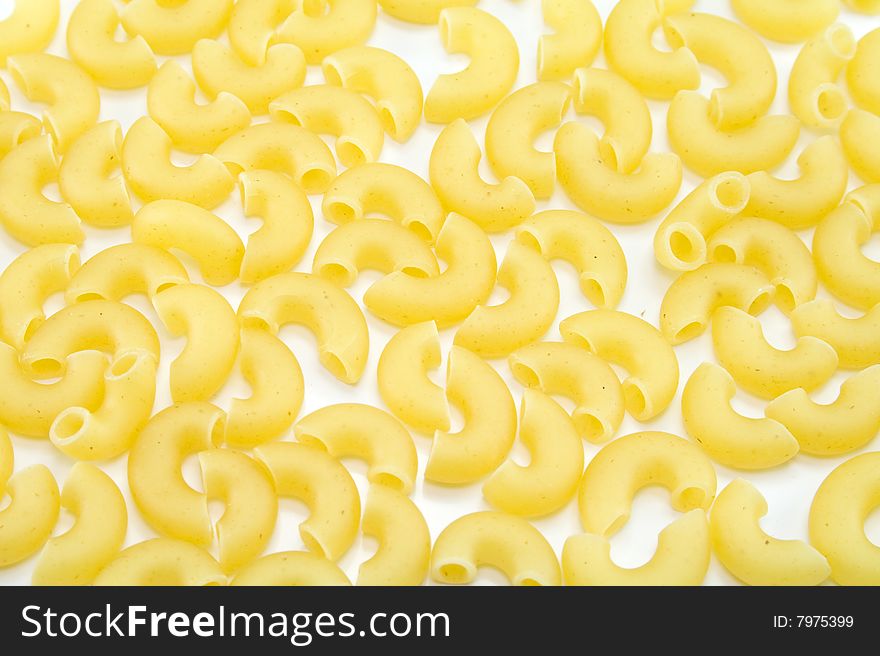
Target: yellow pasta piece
x=25, y=212
x=494, y=331
x=727, y=436
x=335, y=25
x=859, y=130
x=92, y=44
x=575, y=41
x=861, y=72
x=173, y=28
x=849, y=422
x=813, y=93
x=110, y=430
x=320, y=481
x=360, y=431
x=29, y=28
x=455, y=177
x=253, y=25
x=837, y=520
x=277, y=388
x=97, y=535
x=494, y=539
x=328, y=311
x=576, y=373
x=625, y=340
x=386, y=78
x=27, y=522
x=192, y=126
x=291, y=568
x=692, y=298
x=488, y=77
x=788, y=21
x=855, y=339
x=15, y=129
x=489, y=430
x=557, y=461
x=404, y=552
x=761, y=369
x=513, y=128
x=149, y=171
x=162, y=561
x=378, y=188
x=584, y=242
x=402, y=299
x=208, y=239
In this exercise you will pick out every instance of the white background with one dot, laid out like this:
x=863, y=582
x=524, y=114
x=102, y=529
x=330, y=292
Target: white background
x=788, y=489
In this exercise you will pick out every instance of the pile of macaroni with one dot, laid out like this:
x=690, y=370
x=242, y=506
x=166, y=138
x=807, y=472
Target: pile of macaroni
x=85, y=377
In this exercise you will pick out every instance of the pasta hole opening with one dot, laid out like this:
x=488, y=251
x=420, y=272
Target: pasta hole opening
x=690, y=498
x=315, y=181
x=421, y=230
x=389, y=480
x=165, y=286
x=594, y=291
x=724, y=253
x=69, y=425
x=340, y=212
x=332, y=74
x=761, y=302
x=616, y=525
x=841, y=41
x=255, y=323
x=337, y=273
x=688, y=332
x=525, y=375
x=334, y=364
x=688, y=249
x=730, y=192
x=389, y=123
x=527, y=238
x=124, y=364
x=635, y=399
x=455, y=573
x=831, y=103
x=31, y=328
x=73, y=264
x=529, y=581
x=351, y=154
x=234, y=169
x=666, y=36
x=589, y=426
x=313, y=544
x=311, y=440
x=218, y=430
x=608, y=153
x=88, y=296
x=579, y=340
x=415, y=272
x=46, y=368
x=785, y=298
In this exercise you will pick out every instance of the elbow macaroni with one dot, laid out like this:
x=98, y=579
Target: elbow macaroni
x=856, y=340
x=861, y=72
x=29, y=28
x=575, y=41
x=813, y=94
x=174, y=28
x=788, y=21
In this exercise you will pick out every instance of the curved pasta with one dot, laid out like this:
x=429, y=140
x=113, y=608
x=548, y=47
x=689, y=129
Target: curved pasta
x=157, y=485
x=125, y=269
x=360, y=431
x=494, y=331
x=375, y=187
x=479, y=448
x=752, y=555
x=844, y=269
x=588, y=245
x=708, y=150
x=339, y=24
x=629, y=50
x=321, y=482
x=788, y=21
x=149, y=171
x=283, y=148
x=861, y=71
x=858, y=131
x=71, y=95
x=211, y=330
x=494, y=539
x=573, y=372
x=277, y=389
x=89, y=181
x=455, y=177
x=575, y=41
x=250, y=505
x=490, y=73
x=253, y=25
x=680, y=240
x=208, y=239
x=325, y=309
x=404, y=552
x=837, y=518
x=15, y=129
x=287, y=224
x=28, y=407
x=219, y=70
x=813, y=93
x=513, y=128
x=92, y=325
x=162, y=561
x=338, y=111
x=426, y=12
x=403, y=380
x=774, y=249
x=110, y=429
x=693, y=297
x=25, y=285
x=29, y=28
x=557, y=461
x=762, y=369
x=624, y=340
x=849, y=422
x=372, y=244
x=386, y=78
x=682, y=557
x=727, y=436
x=597, y=188
x=27, y=522
x=192, y=126
x=626, y=465
x=77, y=556
x=25, y=212
x=806, y=200
x=402, y=299
x=291, y=568
x=174, y=28
x=856, y=340
x=92, y=44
